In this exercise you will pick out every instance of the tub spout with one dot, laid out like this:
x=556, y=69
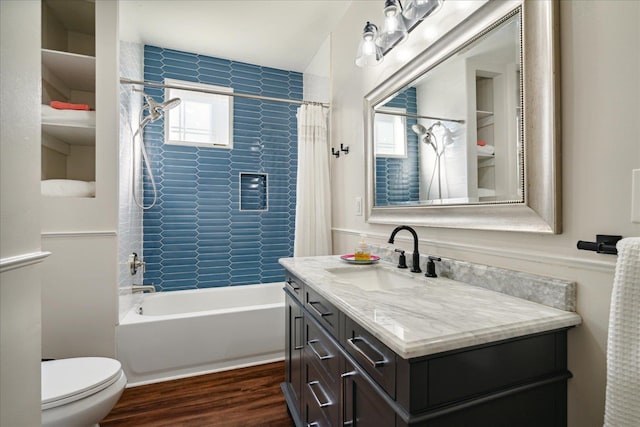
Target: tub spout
x=142, y=288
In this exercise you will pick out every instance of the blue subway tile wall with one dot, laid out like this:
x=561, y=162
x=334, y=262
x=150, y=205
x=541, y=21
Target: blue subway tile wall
x=398, y=180
x=197, y=236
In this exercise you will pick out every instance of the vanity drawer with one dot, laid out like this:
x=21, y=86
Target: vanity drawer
x=461, y=375
x=295, y=286
x=322, y=310
x=320, y=349
x=376, y=358
x=321, y=399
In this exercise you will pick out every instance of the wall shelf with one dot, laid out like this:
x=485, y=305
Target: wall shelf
x=73, y=70
x=73, y=135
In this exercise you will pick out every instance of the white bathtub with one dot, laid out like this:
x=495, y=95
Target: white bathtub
x=186, y=333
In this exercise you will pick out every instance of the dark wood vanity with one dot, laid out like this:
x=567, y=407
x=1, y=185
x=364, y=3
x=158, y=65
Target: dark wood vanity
x=340, y=374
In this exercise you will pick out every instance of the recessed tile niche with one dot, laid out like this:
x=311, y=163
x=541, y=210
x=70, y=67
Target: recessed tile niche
x=253, y=192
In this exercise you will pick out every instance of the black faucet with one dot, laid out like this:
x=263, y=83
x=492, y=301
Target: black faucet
x=416, y=255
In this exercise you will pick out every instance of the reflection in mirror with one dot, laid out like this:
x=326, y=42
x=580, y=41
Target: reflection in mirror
x=453, y=135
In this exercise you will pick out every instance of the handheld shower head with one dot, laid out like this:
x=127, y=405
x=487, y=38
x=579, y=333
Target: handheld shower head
x=160, y=107
x=156, y=109
x=419, y=129
x=434, y=125
x=171, y=103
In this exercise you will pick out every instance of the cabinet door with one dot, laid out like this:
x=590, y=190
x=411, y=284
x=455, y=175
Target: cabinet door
x=294, y=346
x=363, y=406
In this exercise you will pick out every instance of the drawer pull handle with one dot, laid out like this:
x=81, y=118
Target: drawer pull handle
x=313, y=424
x=375, y=363
x=342, y=397
x=326, y=402
x=326, y=356
x=297, y=332
x=293, y=286
x=322, y=313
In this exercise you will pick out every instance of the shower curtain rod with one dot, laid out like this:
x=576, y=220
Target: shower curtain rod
x=127, y=81
x=417, y=116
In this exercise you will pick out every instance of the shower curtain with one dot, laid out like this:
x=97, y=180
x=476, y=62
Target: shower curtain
x=313, y=188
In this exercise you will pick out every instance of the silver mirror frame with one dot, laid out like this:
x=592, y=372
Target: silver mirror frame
x=541, y=210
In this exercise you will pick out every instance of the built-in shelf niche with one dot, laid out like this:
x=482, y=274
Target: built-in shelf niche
x=68, y=75
x=485, y=133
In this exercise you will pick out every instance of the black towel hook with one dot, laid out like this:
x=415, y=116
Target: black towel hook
x=604, y=244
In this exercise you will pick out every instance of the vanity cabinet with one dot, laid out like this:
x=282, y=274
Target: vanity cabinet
x=341, y=374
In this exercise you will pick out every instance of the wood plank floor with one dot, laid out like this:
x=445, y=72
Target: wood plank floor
x=241, y=397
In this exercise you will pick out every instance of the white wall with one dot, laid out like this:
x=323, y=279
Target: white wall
x=315, y=78
x=448, y=91
x=20, y=217
x=600, y=57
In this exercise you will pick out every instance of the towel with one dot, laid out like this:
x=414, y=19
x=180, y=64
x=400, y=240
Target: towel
x=68, y=188
x=622, y=404
x=486, y=150
x=69, y=106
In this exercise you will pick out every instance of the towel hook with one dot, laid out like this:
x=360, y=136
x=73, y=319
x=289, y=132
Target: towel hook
x=604, y=244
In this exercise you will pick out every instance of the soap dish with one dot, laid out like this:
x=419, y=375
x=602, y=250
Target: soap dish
x=351, y=259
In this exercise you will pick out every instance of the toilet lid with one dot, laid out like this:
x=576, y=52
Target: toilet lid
x=68, y=380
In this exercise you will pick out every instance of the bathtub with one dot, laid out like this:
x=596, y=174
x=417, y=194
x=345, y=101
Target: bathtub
x=178, y=334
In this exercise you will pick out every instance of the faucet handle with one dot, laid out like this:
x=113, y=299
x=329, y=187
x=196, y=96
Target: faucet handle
x=431, y=266
x=402, y=260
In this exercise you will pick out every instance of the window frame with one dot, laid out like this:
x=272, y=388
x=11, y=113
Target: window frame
x=400, y=114
x=184, y=95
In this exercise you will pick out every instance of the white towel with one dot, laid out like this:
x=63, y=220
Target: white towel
x=486, y=150
x=68, y=188
x=622, y=405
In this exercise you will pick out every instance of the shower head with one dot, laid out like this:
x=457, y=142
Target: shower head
x=434, y=125
x=424, y=134
x=419, y=129
x=156, y=109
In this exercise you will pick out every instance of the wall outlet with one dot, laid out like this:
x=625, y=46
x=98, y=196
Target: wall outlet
x=358, y=206
x=635, y=196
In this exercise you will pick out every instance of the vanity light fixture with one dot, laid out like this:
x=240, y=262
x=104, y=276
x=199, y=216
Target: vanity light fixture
x=369, y=53
x=398, y=22
x=420, y=9
x=393, y=28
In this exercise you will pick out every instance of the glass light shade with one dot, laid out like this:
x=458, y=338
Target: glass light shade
x=368, y=53
x=394, y=30
x=420, y=9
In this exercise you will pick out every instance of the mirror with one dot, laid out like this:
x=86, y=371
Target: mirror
x=464, y=135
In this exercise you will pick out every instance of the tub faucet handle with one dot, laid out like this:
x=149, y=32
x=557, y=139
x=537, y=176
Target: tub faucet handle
x=135, y=263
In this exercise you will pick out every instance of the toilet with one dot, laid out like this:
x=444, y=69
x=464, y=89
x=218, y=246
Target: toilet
x=79, y=392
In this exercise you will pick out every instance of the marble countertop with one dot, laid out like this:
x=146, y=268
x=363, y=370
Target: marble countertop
x=434, y=316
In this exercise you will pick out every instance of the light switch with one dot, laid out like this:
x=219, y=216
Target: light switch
x=358, y=206
x=635, y=196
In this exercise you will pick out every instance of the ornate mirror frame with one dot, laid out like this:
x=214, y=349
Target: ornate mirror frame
x=540, y=212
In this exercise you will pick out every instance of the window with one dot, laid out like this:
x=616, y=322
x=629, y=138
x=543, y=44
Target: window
x=390, y=133
x=201, y=119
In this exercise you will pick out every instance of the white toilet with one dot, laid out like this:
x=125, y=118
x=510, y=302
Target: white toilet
x=79, y=392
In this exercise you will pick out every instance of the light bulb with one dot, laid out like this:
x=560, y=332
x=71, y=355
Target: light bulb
x=368, y=53
x=394, y=31
x=420, y=9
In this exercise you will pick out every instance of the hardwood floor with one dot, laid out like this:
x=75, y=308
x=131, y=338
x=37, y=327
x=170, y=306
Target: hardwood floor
x=241, y=397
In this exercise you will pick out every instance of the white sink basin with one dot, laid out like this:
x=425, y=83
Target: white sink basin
x=375, y=278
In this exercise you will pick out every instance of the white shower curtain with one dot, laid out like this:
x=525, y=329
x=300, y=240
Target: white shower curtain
x=313, y=189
